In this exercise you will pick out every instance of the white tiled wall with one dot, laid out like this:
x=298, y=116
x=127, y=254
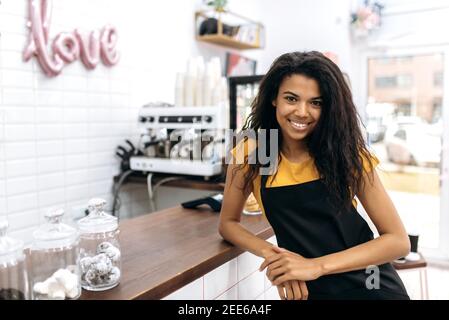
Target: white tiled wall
x=238, y=279
x=58, y=135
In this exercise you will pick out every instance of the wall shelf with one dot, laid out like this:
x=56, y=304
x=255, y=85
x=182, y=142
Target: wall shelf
x=229, y=29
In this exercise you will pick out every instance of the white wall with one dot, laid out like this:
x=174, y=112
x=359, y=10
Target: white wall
x=57, y=136
x=301, y=25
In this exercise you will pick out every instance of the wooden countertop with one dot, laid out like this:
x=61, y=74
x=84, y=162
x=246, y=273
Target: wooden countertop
x=165, y=250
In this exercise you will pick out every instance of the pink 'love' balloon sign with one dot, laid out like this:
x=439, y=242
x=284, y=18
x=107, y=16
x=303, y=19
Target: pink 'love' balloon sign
x=67, y=46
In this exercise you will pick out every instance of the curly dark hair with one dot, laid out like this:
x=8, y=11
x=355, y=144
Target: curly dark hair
x=336, y=144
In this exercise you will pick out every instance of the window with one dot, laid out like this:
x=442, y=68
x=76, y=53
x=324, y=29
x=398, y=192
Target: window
x=438, y=79
x=386, y=82
x=404, y=80
x=404, y=109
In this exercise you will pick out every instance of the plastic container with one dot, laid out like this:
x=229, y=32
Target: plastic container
x=55, y=260
x=13, y=268
x=99, y=248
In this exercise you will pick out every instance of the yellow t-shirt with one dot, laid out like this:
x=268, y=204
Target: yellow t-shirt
x=288, y=173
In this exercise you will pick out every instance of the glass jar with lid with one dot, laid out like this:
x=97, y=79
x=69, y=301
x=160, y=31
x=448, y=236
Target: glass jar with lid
x=13, y=269
x=54, y=258
x=100, y=256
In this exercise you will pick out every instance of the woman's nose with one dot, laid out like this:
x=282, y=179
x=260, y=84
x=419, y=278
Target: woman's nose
x=301, y=110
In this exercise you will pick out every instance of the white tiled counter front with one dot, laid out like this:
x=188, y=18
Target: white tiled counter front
x=237, y=279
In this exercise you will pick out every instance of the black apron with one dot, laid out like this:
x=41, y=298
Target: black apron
x=304, y=222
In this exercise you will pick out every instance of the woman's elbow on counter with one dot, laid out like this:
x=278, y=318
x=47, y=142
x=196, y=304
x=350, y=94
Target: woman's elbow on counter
x=404, y=245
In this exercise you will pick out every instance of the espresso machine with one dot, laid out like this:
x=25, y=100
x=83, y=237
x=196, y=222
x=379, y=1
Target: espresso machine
x=181, y=140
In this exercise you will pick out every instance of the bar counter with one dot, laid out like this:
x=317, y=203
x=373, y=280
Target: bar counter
x=168, y=249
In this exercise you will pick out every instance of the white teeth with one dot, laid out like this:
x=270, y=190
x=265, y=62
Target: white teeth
x=299, y=125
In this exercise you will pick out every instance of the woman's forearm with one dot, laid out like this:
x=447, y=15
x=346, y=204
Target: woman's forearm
x=235, y=233
x=383, y=249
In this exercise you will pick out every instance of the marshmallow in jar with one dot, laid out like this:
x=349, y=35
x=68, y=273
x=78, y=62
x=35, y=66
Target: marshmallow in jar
x=54, y=255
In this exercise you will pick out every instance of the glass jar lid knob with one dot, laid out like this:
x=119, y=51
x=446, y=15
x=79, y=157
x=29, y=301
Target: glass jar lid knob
x=96, y=204
x=54, y=216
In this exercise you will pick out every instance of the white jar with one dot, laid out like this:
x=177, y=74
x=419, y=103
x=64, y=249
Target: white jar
x=13, y=271
x=54, y=256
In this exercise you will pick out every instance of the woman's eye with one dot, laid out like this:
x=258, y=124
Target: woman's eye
x=290, y=99
x=317, y=103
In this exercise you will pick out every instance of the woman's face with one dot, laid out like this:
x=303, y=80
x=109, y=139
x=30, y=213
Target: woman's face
x=298, y=107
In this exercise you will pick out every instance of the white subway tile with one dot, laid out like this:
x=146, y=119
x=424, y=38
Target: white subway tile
x=74, y=83
x=75, y=114
x=3, y=210
x=98, y=100
x=77, y=192
x=19, y=115
x=14, y=41
x=14, y=60
x=49, y=148
x=251, y=287
x=101, y=159
x=50, y=164
x=100, y=173
x=100, y=187
x=19, y=150
x=51, y=181
x=76, y=177
x=18, y=97
x=49, y=115
x=20, y=132
x=75, y=146
x=95, y=84
x=121, y=115
x=248, y=263
x=51, y=197
x=120, y=100
x=15, y=7
x=76, y=69
x=49, y=131
x=192, y=291
x=49, y=98
x=15, y=186
x=2, y=188
x=101, y=144
x=99, y=115
x=99, y=130
x=22, y=220
x=17, y=78
x=120, y=130
x=76, y=161
x=47, y=84
x=18, y=168
x=219, y=280
x=78, y=130
x=119, y=86
x=75, y=99
x=231, y=294
x=22, y=202
x=12, y=23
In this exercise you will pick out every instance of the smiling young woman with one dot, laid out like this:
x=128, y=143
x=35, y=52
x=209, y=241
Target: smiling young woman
x=325, y=247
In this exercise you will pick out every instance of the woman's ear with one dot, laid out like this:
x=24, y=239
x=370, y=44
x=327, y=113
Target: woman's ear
x=273, y=103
